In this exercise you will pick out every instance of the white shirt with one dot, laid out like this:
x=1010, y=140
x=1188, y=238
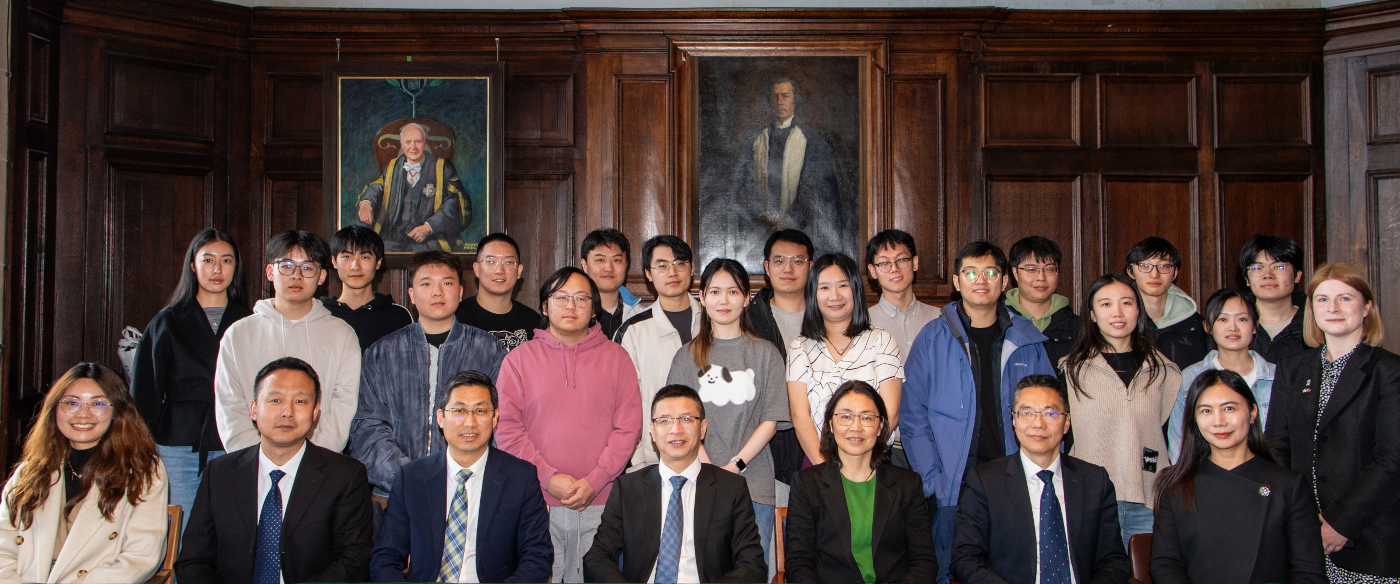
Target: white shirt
x=473, y=484
x=1034, y=485
x=265, y=468
x=1248, y=379
x=688, y=571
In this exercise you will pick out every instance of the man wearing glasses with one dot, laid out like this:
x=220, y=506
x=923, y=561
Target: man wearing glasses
x=404, y=370
x=493, y=308
x=1074, y=542
x=471, y=513
x=961, y=371
x=653, y=336
x=1154, y=264
x=290, y=324
x=1273, y=267
x=1036, y=261
x=776, y=313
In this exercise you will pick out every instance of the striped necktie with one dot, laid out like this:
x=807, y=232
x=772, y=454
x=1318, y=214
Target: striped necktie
x=454, y=545
x=668, y=556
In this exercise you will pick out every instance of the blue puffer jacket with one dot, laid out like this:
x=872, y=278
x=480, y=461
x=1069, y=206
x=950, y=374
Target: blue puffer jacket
x=394, y=424
x=938, y=410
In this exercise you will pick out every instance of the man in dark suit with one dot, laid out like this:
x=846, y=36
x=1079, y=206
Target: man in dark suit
x=1068, y=524
x=471, y=513
x=240, y=531
x=707, y=531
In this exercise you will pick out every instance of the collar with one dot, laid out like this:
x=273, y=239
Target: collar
x=690, y=473
x=265, y=464
x=1003, y=318
x=412, y=165
x=1030, y=467
x=478, y=468
x=891, y=310
x=659, y=314
x=784, y=124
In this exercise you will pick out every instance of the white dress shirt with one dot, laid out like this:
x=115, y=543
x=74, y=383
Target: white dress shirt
x=1035, y=486
x=473, y=484
x=265, y=468
x=688, y=571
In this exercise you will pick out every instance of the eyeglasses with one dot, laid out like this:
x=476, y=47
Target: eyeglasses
x=1034, y=271
x=971, y=274
x=491, y=263
x=666, y=422
x=901, y=263
x=665, y=267
x=562, y=300
x=461, y=413
x=780, y=262
x=1258, y=269
x=1048, y=415
x=288, y=267
x=866, y=420
x=1149, y=267
x=98, y=407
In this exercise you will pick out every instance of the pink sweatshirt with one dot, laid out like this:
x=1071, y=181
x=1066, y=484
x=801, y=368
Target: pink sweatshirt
x=572, y=409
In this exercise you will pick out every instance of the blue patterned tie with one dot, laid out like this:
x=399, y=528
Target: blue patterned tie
x=668, y=557
x=267, y=564
x=454, y=546
x=1054, y=548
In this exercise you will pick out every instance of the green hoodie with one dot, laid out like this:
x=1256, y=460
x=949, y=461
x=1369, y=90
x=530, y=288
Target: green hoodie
x=1013, y=299
x=1179, y=307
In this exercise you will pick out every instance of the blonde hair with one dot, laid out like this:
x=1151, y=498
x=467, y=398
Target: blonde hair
x=1347, y=274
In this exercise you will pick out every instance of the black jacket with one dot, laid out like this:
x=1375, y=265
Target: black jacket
x=1289, y=341
x=786, y=450
x=172, y=379
x=373, y=320
x=1253, y=524
x=1064, y=324
x=819, y=528
x=761, y=315
x=1184, y=343
x=1357, y=446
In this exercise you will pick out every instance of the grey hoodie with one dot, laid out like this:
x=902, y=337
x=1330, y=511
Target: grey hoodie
x=319, y=338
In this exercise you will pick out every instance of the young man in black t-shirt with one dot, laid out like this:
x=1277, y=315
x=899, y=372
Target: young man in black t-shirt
x=357, y=253
x=494, y=308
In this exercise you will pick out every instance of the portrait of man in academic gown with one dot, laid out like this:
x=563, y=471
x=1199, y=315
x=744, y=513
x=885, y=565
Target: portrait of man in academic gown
x=418, y=202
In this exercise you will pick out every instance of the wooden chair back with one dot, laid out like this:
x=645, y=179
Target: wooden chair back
x=166, y=573
x=779, y=544
x=1140, y=557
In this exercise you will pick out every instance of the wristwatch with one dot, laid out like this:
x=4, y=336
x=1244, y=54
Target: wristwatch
x=739, y=464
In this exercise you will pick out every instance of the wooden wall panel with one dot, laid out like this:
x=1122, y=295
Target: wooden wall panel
x=1031, y=110
x=159, y=98
x=645, y=198
x=293, y=204
x=38, y=82
x=917, y=169
x=149, y=240
x=294, y=109
x=1262, y=110
x=538, y=220
x=1386, y=193
x=1019, y=207
x=540, y=110
x=1139, y=207
x=1149, y=111
x=1384, y=112
x=1269, y=205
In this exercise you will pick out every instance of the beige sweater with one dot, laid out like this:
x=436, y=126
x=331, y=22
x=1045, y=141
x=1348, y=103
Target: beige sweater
x=1112, y=424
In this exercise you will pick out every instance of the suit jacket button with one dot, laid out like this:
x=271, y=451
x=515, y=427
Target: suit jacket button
x=112, y=535
x=82, y=573
x=19, y=540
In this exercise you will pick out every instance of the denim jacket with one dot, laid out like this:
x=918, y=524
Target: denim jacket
x=1263, y=388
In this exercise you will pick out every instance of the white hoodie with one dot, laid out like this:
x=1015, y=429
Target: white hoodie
x=319, y=338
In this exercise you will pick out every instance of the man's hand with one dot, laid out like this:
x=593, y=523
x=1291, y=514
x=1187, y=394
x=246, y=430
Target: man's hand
x=579, y=496
x=366, y=212
x=558, y=486
x=420, y=233
x=1331, y=540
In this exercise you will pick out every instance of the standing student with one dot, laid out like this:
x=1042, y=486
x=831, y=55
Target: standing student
x=1272, y=265
x=776, y=312
x=173, y=377
x=358, y=253
x=652, y=337
x=740, y=379
x=1153, y=264
x=891, y=258
x=1230, y=319
x=1121, y=390
x=604, y=255
x=493, y=308
x=570, y=406
x=1036, y=263
x=290, y=324
x=1334, y=420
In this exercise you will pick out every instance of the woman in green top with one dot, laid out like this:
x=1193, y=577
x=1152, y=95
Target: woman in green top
x=856, y=517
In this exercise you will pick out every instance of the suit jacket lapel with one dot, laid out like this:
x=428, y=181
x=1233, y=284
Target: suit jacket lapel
x=651, y=516
x=244, y=488
x=1348, y=384
x=1247, y=511
x=86, y=525
x=1074, y=507
x=700, y=519
x=194, y=327
x=304, y=491
x=835, y=496
x=884, y=507
x=44, y=539
x=434, y=487
x=491, y=486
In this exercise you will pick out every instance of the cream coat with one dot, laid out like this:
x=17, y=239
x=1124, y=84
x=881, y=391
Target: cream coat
x=130, y=548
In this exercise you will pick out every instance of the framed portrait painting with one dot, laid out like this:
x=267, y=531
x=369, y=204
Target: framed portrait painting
x=414, y=151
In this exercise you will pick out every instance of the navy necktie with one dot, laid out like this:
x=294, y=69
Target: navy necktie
x=267, y=564
x=668, y=556
x=1054, y=548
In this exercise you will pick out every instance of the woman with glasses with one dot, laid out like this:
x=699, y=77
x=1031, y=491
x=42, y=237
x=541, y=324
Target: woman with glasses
x=837, y=345
x=88, y=498
x=856, y=517
x=1121, y=390
x=1336, y=420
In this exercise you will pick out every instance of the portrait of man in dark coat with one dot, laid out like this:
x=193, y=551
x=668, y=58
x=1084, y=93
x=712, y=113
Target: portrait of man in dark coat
x=417, y=203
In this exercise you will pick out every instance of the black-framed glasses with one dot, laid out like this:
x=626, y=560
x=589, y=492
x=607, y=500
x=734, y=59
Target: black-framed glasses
x=1149, y=267
x=1034, y=271
x=1048, y=415
x=71, y=406
x=780, y=262
x=888, y=266
x=462, y=413
x=562, y=300
x=971, y=274
x=287, y=267
x=866, y=420
x=667, y=421
x=1278, y=268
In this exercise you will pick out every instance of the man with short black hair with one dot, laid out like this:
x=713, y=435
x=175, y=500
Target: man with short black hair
x=358, y=252
x=1272, y=265
x=776, y=313
x=1154, y=264
x=493, y=308
x=604, y=256
x=1036, y=261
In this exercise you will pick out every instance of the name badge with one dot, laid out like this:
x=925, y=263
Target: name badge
x=1149, y=460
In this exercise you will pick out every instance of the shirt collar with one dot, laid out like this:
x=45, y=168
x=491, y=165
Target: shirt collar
x=1032, y=468
x=889, y=308
x=477, y=467
x=690, y=473
x=265, y=464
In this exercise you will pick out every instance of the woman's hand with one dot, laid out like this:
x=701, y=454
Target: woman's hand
x=1331, y=540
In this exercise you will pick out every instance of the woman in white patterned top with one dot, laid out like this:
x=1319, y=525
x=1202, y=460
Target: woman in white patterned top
x=837, y=345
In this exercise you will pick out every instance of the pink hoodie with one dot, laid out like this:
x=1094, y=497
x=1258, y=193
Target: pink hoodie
x=572, y=409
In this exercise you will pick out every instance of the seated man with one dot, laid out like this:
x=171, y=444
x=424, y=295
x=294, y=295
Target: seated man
x=1011, y=523
x=241, y=531
x=694, y=499
x=497, y=525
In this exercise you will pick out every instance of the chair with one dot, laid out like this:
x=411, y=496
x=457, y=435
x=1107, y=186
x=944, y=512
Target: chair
x=166, y=574
x=1140, y=556
x=779, y=547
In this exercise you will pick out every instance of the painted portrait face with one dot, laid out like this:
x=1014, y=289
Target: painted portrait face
x=783, y=99
x=412, y=141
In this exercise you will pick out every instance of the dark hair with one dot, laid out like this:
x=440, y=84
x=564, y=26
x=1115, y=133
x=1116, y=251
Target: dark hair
x=1041, y=380
x=355, y=239
x=677, y=390
x=187, y=290
x=1181, y=477
x=465, y=379
x=1217, y=301
x=881, y=452
x=889, y=238
x=978, y=249
x=501, y=237
x=287, y=364
x=813, y=327
x=311, y=244
x=776, y=79
x=700, y=345
x=790, y=236
x=1281, y=248
x=1152, y=247
x=1035, y=247
x=433, y=257
x=556, y=281
x=605, y=236
x=1089, y=341
x=678, y=246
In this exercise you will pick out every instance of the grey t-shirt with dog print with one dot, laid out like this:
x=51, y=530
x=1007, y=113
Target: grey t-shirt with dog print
x=743, y=385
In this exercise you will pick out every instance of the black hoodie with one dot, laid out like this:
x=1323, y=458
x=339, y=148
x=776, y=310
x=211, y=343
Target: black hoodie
x=372, y=321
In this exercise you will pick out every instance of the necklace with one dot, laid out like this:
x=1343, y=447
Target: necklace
x=841, y=352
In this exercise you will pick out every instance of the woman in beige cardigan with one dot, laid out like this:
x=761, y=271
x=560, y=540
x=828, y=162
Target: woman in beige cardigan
x=1121, y=390
x=87, y=502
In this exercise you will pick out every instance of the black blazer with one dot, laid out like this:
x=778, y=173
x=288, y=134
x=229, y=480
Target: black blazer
x=1256, y=523
x=325, y=529
x=727, y=546
x=1358, y=450
x=172, y=378
x=995, y=536
x=819, y=528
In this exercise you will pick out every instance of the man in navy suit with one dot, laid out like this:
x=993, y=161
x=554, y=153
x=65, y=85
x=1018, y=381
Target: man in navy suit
x=471, y=513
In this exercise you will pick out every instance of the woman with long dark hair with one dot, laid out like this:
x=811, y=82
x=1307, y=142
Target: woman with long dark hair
x=837, y=506
x=88, y=498
x=1121, y=390
x=173, y=376
x=1226, y=512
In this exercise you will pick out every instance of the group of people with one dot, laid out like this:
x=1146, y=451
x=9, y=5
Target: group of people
x=592, y=438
